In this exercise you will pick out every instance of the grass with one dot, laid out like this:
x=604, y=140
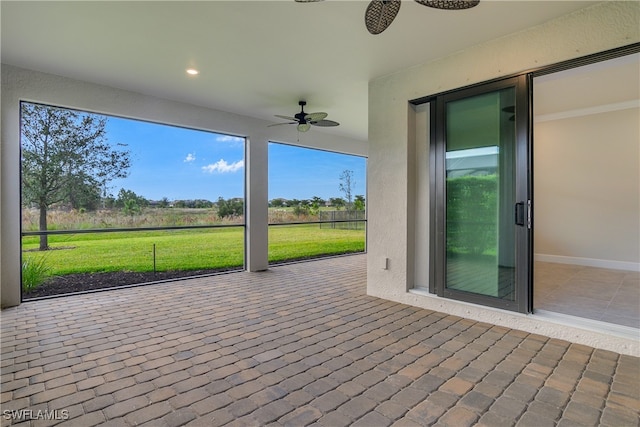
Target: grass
x=34, y=272
x=58, y=219
x=183, y=249
x=304, y=241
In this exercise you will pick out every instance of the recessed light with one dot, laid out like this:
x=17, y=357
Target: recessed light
x=192, y=71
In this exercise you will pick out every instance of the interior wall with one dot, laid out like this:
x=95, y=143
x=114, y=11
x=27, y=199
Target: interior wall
x=591, y=30
x=587, y=189
x=21, y=84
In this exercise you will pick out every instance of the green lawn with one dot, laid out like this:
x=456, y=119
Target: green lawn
x=303, y=241
x=184, y=249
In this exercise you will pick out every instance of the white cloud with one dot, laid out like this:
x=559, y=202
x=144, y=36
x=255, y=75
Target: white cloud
x=190, y=158
x=230, y=138
x=221, y=166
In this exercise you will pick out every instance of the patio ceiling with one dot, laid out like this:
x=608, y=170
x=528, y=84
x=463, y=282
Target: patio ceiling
x=256, y=58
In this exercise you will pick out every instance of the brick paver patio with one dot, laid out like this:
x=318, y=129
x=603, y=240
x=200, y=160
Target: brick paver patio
x=300, y=344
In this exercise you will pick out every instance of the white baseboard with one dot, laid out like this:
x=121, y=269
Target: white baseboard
x=589, y=262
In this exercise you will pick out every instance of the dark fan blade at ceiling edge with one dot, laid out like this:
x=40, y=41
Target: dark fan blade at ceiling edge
x=449, y=4
x=380, y=14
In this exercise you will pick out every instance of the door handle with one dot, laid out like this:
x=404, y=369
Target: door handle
x=519, y=214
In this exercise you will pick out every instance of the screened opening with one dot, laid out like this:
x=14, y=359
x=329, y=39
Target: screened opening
x=109, y=202
x=317, y=203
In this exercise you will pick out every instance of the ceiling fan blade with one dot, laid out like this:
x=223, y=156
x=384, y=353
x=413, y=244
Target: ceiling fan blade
x=304, y=127
x=325, y=123
x=380, y=14
x=314, y=117
x=286, y=117
x=278, y=124
x=449, y=4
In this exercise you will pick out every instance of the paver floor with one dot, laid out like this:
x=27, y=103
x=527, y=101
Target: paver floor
x=299, y=344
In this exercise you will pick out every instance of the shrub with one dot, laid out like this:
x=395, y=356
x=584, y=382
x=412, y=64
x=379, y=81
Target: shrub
x=34, y=272
x=301, y=209
x=472, y=203
x=230, y=208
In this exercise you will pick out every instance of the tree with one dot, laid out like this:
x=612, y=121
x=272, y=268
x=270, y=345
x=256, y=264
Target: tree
x=130, y=198
x=131, y=208
x=202, y=204
x=230, y=208
x=319, y=200
x=359, y=203
x=61, y=148
x=316, y=203
x=337, y=202
x=83, y=193
x=347, y=184
x=301, y=209
x=108, y=201
x=278, y=203
x=130, y=202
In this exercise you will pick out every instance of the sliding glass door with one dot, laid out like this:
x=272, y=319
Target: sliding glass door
x=482, y=205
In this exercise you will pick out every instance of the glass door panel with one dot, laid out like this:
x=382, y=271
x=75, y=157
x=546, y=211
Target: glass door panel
x=480, y=147
x=481, y=203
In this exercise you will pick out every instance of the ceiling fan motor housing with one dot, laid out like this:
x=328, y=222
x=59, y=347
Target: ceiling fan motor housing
x=301, y=115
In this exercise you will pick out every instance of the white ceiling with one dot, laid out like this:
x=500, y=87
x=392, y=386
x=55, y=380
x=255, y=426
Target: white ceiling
x=256, y=58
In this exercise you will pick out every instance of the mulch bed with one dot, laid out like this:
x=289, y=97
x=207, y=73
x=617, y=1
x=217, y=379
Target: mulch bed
x=74, y=283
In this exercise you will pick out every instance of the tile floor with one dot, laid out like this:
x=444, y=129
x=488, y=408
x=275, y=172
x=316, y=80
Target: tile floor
x=606, y=295
x=297, y=345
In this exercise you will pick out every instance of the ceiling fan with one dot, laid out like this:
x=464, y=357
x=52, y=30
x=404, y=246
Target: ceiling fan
x=381, y=13
x=306, y=120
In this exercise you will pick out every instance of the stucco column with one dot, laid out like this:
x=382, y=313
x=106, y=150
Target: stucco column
x=257, y=204
x=10, y=199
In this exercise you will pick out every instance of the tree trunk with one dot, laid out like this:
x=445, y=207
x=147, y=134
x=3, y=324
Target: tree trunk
x=44, y=243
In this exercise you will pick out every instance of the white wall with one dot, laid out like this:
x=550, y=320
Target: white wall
x=393, y=218
x=587, y=189
x=20, y=84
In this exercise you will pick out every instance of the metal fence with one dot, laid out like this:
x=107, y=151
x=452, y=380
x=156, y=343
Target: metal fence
x=349, y=220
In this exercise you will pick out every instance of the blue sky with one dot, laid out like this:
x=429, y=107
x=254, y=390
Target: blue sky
x=302, y=173
x=179, y=163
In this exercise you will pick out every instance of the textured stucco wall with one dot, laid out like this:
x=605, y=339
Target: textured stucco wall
x=393, y=179
x=20, y=84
